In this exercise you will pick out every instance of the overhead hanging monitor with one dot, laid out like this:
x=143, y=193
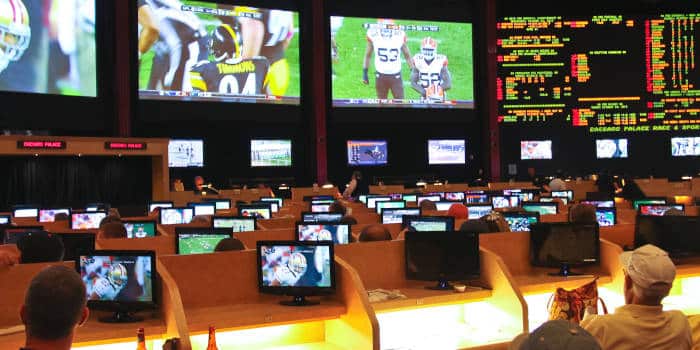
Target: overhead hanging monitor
x=186, y=153
x=445, y=152
x=685, y=146
x=367, y=153
x=611, y=148
x=535, y=150
x=216, y=51
x=270, y=153
x=401, y=63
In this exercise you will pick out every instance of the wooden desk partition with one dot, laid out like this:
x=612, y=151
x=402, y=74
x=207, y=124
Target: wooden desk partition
x=298, y=193
x=251, y=238
x=162, y=245
x=386, y=189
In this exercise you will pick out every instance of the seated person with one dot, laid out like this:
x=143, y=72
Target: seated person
x=110, y=219
x=61, y=217
x=8, y=258
x=373, y=233
x=178, y=185
x=556, y=334
x=489, y=223
x=557, y=183
x=642, y=323
x=203, y=189
x=348, y=219
x=201, y=220
x=427, y=204
x=582, y=214
x=39, y=248
x=54, y=306
x=338, y=207
x=114, y=212
x=155, y=212
x=112, y=230
x=458, y=211
x=229, y=244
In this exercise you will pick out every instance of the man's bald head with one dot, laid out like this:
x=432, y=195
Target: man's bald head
x=373, y=233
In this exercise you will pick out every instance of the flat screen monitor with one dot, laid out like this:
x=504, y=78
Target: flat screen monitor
x=367, y=153
x=320, y=208
x=161, y=204
x=362, y=198
x=600, y=204
x=221, y=69
x=568, y=194
x=379, y=206
x=258, y=211
x=324, y=231
x=637, y=202
x=429, y=223
x=477, y=211
x=550, y=199
x=97, y=207
x=235, y=223
x=203, y=208
x=322, y=201
x=659, y=210
x=455, y=196
x=395, y=216
x=298, y=269
x=685, y=146
x=530, y=150
x=524, y=196
x=412, y=198
x=48, y=215
x=76, y=244
x=11, y=234
x=120, y=281
x=442, y=257
x=372, y=200
x=389, y=48
x=273, y=205
x=542, y=208
x=562, y=245
x=678, y=235
x=476, y=198
x=186, y=153
x=445, y=205
x=432, y=198
x=270, y=153
x=280, y=201
x=176, y=216
x=219, y=204
x=606, y=216
x=140, y=228
x=520, y=222
x=192, y=240
x=505, y=201
x=319, y=198
x=446, y=152
x=310, y=217
x=396, y=196
x=52, y=50
x=5, y=219
x=611, y=148
x=87, y=221
x=21, y=211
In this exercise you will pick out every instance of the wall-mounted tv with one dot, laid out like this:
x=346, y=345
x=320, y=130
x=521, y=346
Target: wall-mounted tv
x=270, y=153
x=685, y=146
x=367, y=153
x=48, y=47
x=401, y=63
x=214, y=51
x=535, y=150
x=446, y=152
x=185, y=153
x=611, y=148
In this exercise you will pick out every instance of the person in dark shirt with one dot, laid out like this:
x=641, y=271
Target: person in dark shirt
x=40, y=247
x=536, y=180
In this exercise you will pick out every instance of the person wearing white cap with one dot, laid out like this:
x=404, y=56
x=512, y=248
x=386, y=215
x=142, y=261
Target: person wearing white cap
x=642, y=323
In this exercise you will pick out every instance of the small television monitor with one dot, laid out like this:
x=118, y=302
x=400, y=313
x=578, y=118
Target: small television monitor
x=520, y=222
x=532, y=150
x=362, y=198
x=97, y=207
x=47, y=215
x=600, y=204
x=219, y=204
x=656, y=200
x=5, y=220
x=367, y=153
x=203, y=208
x=194, y=240
x=395, y=216
x=441, y=194
x=476, y=198
x=373, y=199
x=119, y=281
x=442, y=256
x=12, y=234
x=321, y=201
x=541, y=207
x=477, y=211
x=429, y=223
x=280, y=201
x=320, y=208
x=319, y=198
x=389, y=205
x=270, y=153
x=259, y=211
x=550, y=199
x=446, y=152
x=563, y=245
x=235, y=223
x=568, y=194
x=606, y=216
x=76, y=244
x=87, y=220
x=432, y=198
x=499, y=202
x=411, y=198
x=678, y=235
x=160, y=204
x=455, y=196
x=685, y=146
x=324, y=231
x=396, y=196
x=25, y=211
x=445, y=205
x=186, y=153
x=309, y=217
x=298, y=269
x=176, y=216
x=140, y=228
x=611, y=148
x=659, y=209
x=273, y=205
x=524, y=196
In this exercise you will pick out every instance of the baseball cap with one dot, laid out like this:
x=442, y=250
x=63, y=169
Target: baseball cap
x=650, y=268
x=557, y=335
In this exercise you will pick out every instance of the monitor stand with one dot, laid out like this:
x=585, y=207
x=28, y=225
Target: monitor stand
x=442, y=284
x=121, y=317
x=565, y=271
x=299, y=301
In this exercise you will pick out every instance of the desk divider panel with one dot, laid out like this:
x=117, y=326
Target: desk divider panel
x=298, y=193
x=251, y=238
x=162, y=245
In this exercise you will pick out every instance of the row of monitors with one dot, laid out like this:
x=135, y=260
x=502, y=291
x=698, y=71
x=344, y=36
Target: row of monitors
x=609, y=148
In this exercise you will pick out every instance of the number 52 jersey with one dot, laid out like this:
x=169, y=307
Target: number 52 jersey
x=246, y=77
x=430, y=71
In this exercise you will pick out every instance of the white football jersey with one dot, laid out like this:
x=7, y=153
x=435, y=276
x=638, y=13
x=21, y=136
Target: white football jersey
x=430, y=72
x=387, y=50
x=104, y=289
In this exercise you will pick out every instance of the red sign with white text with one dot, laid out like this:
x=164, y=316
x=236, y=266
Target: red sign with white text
x=126, y=146
x=45, y=144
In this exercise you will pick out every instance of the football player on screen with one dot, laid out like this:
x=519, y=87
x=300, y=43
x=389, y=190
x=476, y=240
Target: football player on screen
x=229, y=73
x=430, y=76
x=387, y=42
x=15, y=32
